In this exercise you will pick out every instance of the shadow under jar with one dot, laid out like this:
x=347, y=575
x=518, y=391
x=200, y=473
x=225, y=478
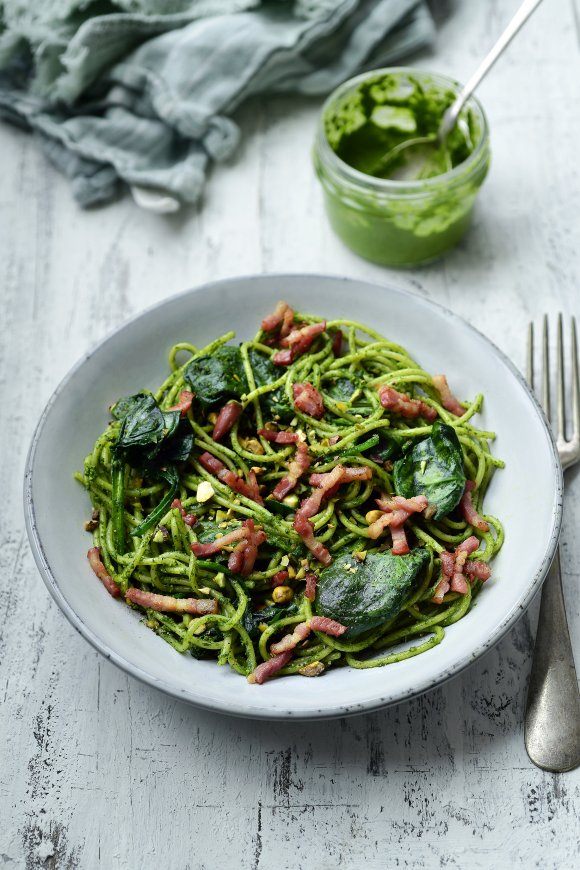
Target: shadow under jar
x=380, y=212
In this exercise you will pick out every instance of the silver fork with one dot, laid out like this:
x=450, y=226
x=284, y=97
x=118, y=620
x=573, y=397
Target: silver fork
x=552, y=722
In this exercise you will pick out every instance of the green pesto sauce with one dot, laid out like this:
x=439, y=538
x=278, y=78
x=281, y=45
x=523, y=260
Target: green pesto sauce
x=383, y=113
x=394, y=228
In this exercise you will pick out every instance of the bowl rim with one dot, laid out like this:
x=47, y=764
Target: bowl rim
x=279, y=713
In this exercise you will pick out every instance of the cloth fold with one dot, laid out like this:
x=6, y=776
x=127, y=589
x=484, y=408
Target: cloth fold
x=142, y=91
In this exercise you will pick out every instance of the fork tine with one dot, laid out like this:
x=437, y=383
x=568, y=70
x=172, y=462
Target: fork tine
x=545, y=368
x=575, y=384
x=530, y=355
x=560, y=387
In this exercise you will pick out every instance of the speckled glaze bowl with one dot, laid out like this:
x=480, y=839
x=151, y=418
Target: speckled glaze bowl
x=135, y=357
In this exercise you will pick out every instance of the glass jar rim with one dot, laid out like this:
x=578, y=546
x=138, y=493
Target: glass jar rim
x=390, y=185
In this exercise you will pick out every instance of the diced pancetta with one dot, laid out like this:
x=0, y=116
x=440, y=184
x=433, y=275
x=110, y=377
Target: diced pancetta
x=267, y=669
x=168, y=604
x=226, y=418
x=94, y=557
x=468, y=511
x=308, y=400
x=448, y=400
x=400, y=403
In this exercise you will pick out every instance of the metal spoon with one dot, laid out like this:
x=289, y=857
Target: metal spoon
x=422, y=149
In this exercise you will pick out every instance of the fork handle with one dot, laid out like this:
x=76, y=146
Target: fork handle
x=552, y=723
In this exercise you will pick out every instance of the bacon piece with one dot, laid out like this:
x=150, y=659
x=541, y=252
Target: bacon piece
x=296, y=468
x=337, y=340
x=441, y=590
x=447, y=563
x=477, y=570
x=457, y=569
x=397, y=511
x=283, y=437
x=188, y=519
x=327, y=626
x=230, y=478
x=350, y=473
x=326, y=483
x=168, y=604
x=267, y=669
x=468, y=511
x=308, y=399
x=226, y=418
x=243, y=559
x=185, y=399
x=400, y=544
x=448, y=400
x=470, y=545
x=414, y=505
x=94, y=557
x=458, y=581
x=311, y=580
x=209, y=549
x=282, y=316
x=400, y=403
x=279, y=578
x=326, y=486
x=305, y=529
x=290, y=641
x=297, y=343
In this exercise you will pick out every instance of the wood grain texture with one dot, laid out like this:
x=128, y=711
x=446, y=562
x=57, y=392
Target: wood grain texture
x=97, y=770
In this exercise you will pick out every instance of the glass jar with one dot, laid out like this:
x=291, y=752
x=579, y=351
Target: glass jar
x=401, y=222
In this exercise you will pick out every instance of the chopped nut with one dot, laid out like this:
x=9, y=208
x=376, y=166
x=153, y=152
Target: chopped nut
x=301, y=574
x=291, y=500
x=314, y=669
x=220, y=580
x=360, y=555
x=262, y=627
x=93, y=523
x=220, y=516
x=161, y=535
x=373, y=516
x=212, y=417
x=285, y=561
x=291, y=572
x=205, y=491
x=282, y=594
x=252, y=445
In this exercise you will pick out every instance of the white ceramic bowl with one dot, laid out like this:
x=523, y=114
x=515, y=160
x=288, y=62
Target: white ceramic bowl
x=527, y=495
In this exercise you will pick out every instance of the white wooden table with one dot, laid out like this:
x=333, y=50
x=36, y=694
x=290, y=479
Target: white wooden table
x=97, y=770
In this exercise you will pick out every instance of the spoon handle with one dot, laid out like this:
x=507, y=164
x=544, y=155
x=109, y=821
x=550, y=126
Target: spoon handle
x=519, y=19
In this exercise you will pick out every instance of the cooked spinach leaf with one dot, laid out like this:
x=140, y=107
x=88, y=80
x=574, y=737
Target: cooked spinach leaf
x=170, y=477
x=275, y=405
x=388, y=447
x=127, y=405
x=143, y=423
x=267, y=616
x=150, y=438
x=341, y=389
x=362, y=595
x=217, y=377
x=433, y=467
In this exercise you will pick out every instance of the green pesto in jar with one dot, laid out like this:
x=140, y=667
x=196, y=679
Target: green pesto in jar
x=378, y=209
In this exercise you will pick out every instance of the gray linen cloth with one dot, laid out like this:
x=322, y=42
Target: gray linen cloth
x=141, y=91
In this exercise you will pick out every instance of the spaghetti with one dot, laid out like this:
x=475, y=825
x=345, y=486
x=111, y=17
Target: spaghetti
x=308, y=499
